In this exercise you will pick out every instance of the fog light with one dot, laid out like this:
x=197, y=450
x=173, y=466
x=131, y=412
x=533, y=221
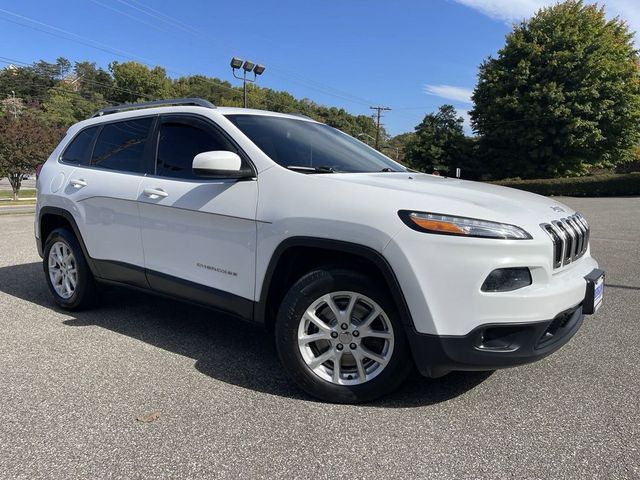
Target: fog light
x=507, y=279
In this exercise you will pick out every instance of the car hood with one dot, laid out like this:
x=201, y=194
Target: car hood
x=460, y=197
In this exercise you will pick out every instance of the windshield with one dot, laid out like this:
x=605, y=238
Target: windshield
x=299, y=143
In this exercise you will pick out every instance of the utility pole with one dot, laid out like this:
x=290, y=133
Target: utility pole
x=378, y=116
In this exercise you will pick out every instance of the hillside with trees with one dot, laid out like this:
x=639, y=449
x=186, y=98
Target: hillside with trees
x=561, y=98
x=63, y=93
x=43, y=99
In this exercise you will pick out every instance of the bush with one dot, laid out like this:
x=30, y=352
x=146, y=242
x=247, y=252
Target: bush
x=607, y=185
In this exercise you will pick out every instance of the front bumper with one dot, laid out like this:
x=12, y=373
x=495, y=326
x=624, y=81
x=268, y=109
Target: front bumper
x=441, y=278
x=493, y=346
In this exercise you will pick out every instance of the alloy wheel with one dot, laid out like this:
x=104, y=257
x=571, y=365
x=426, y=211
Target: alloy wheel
x=345, y=338
x=63, y=272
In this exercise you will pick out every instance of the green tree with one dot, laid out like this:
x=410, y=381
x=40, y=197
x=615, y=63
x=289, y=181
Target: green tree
x=32, y=82
x=61, y=95
x=562, y=95
x=145, y=82
x=25, y=142
x=396, y=147
x=27, y=83
x=52, y=71
x=216, y=91
x=439, y=142
x=64, y=106
x=95, y=84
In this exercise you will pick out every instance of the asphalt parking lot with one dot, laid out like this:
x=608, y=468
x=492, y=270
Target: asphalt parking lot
x=73, y=385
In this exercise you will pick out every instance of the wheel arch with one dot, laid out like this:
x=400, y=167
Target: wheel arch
x=50, y=218
x=297, y=255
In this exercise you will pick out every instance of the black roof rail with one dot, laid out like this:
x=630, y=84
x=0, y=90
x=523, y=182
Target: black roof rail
x=199, y=102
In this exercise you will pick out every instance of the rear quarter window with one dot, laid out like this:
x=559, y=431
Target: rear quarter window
x=78, y=151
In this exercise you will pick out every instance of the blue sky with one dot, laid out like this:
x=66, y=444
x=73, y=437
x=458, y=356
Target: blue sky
x=410, y=55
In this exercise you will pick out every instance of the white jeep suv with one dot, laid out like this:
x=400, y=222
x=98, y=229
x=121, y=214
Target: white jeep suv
x=360, y=267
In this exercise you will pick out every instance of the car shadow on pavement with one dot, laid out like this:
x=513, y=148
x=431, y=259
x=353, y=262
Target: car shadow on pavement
x=223, y=347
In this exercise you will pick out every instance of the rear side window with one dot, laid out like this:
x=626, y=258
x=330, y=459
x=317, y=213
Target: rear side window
x=180, y=141
x=120, y=145
x=79, y=150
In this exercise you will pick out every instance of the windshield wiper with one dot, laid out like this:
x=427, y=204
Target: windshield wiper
x=320, y=169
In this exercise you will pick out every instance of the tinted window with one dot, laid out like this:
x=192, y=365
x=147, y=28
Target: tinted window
x=79, y=149
x=291, y=142
x=181, y=141
x=120, y=145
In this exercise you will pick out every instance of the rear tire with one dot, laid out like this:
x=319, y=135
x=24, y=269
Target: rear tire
x=340, y=339
x=66, y=271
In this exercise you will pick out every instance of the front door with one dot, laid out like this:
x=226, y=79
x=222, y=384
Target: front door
x=198, y=235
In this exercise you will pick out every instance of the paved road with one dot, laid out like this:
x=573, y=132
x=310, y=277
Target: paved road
x=72, y=385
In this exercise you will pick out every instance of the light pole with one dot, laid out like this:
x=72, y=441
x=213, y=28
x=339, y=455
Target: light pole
x=366, y=135
x=247, y=66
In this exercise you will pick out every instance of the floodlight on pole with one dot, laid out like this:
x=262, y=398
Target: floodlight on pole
x=247, y=66
x=236, y=63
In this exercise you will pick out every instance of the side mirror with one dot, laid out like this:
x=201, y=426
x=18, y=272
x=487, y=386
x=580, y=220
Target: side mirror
x=218, y=163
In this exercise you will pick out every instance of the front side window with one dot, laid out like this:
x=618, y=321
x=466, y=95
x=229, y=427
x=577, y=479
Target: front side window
x=181, y=140
x=299, y=143
x=79, y=150
x=120, y=145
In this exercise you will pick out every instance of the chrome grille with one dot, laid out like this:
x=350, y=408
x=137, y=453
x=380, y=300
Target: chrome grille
x=570, y=237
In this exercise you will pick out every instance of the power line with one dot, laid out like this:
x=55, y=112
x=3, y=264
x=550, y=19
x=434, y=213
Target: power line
x=152, y=12
x=10, y=61
x=79, y=38
x=327, y=90
x=167, y=19
x=378, y=115
x=268, y=102
x=121, y=12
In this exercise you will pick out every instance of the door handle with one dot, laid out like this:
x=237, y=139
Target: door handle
x=154, y=193
x=78, y=183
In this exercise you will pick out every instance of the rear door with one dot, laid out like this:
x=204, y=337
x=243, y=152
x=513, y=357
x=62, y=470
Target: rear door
x=198, y=234
x=104, y=192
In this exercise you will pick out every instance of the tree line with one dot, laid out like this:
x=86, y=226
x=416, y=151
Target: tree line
x=62, y=93
x=43, y=99
x=561, y=98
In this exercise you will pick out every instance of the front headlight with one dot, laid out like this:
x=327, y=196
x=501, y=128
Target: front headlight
x=461, y=226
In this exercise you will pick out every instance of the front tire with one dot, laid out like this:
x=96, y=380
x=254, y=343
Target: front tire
x=340, y=338
x=66, y=271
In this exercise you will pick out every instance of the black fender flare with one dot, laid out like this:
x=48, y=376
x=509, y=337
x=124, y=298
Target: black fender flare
x=368, y=253
x=61, y=212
